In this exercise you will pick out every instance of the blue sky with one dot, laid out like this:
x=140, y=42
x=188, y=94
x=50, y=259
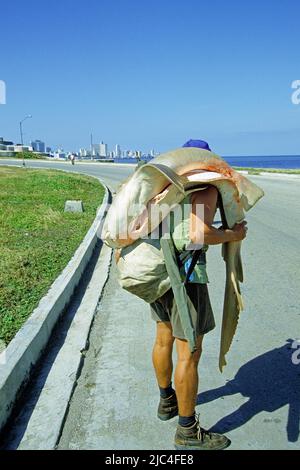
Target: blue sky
x=152, y=74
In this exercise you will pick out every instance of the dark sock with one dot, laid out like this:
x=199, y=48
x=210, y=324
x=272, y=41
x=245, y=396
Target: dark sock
x=187, y=421
x=166, y=392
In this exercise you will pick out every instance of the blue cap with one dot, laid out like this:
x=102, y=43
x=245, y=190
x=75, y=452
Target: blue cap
x=201, y=144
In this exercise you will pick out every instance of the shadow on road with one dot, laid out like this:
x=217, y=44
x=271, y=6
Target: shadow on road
x=270, y=381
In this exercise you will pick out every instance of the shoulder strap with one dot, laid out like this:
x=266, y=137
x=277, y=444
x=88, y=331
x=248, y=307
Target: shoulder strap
x=195, y=257
x=181, y=298
x=222, y=212
x=168, y=173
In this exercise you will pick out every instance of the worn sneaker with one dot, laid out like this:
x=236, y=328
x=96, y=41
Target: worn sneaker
x=197, y=438
x=167, y=408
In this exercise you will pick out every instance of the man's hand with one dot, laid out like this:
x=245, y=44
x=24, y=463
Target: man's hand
x=201, y=229
x=239, y=231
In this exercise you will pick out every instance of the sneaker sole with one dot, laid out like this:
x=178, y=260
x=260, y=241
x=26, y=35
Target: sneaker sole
x=182, y=447
x=167, y=417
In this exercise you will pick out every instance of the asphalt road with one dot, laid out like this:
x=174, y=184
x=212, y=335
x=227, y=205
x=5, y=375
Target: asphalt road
x=109, y=173
x=256, y=401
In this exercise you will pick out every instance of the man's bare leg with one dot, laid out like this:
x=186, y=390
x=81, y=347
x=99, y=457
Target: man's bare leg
x=189, y=434
x=163, y=365
x=186, y=376
x=162, y=354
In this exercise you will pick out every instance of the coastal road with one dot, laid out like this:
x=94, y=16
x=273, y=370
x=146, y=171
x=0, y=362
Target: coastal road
x=111, y=174
x=256, y=401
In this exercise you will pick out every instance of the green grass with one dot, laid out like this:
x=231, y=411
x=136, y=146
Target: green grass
x=257, y=171
x=37, y=239
x=29, y=156
x=25, y=156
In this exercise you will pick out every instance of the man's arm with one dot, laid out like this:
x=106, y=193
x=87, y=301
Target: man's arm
x=201, y=229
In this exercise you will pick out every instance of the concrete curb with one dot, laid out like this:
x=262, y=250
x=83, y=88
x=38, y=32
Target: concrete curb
x=47, y=418
x=26, y=348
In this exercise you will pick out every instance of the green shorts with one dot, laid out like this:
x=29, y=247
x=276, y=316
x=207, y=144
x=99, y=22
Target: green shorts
x=165, y=309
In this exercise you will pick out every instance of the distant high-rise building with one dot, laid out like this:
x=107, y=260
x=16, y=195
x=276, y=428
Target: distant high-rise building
x=84, y=152
x=118, y=151
x=152, y=153
x=5, y=142
x=48, y=149
x=103, y=150
x=96, y=150
x=99, y=150
x=38, y=146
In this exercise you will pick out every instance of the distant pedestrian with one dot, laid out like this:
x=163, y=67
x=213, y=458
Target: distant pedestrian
x=72, y=158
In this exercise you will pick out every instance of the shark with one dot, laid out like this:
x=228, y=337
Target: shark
x=163, y=183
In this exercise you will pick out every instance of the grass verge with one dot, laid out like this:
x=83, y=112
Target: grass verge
x=37, y=238
x=25, y=156
x=257, y=171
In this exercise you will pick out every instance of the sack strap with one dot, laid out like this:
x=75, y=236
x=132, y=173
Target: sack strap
x=168, y=173
x=179, y=291
x=195, y=257
x=222, y=211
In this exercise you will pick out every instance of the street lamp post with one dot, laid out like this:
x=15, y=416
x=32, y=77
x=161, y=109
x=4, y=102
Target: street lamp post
x=21, y=132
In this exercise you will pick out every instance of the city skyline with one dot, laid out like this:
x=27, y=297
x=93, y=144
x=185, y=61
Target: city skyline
x=96, y=150
x=224, y=72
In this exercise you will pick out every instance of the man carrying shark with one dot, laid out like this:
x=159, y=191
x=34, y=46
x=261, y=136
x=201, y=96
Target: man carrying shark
x=182, y=400
x=169, y=273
